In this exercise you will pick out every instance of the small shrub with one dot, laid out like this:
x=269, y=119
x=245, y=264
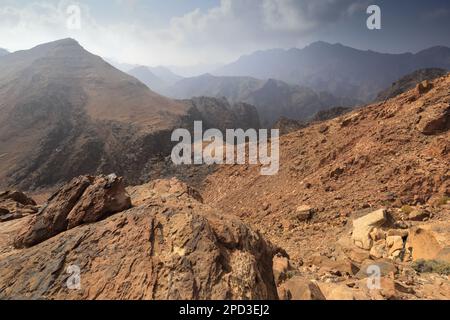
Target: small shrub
x=432, y=266
x=407, y=209
x=443, y=201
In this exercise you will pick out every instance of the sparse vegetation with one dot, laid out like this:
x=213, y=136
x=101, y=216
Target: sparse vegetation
x=443, y=201
x=432, y=266
x=407, y=209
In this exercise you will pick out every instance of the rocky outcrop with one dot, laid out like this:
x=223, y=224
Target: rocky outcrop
x=165, y=188
x=18, y=197
x=218, y=113
x=15, y=205
x=363, y=227
x=436, y=120
x=430, y=241
x=170, y=247
x=411, y=81
x=286, y=125
x=85, y=199
x=299, y=288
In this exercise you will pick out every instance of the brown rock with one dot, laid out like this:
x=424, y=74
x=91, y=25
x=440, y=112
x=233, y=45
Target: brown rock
x=299, y=288
x=386, y=267
x=363, y=226
x=430, y=241
x=354, y=253
x=388, y=288
x=424, y=87
x=84, y=200
x=435, y=120
x=105, y=196
x=280, y=268
x=15, y=205
x=398, y=232
x=418, y=215
x=18, y=197
x=333, y=291
x=303, y=213
x=156, y=251
x=395, y=246
x=382, y=288
x=378, y=250
x=377, y=234
x=341, y=266
x=172, y=188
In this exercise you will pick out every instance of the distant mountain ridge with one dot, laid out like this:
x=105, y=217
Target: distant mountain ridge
x=3, y=52
x=165, y=74
x=157, y=78
x=410, y=81
x=272, y=98
x=335, y=68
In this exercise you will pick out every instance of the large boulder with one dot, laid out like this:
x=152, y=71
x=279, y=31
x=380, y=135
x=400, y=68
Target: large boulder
x=17, y=196
x=363, y=226
x=299, y=288
x=435, y=120
x=386, y=268
x=334, y=291
x=16, y=205
x=430, y=241
x=170, y=247
x=281, y=267
x=85, y=199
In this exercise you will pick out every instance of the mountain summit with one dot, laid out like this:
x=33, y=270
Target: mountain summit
x=66, y=112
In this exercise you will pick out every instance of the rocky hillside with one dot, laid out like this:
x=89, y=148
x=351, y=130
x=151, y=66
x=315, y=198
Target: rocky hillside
x=66, y=112
x=169, y=245
x=392, y=155
x=369, y=190
x=220, y=114
x=335, y=68
x=286, y=125
x=272, y=98
x=410, y=81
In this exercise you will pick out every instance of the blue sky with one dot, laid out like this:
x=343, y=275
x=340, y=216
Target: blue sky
x=189, y=32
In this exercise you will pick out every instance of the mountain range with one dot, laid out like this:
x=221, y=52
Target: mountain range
x=66, y=112
x=156, y=78
x=272, y=98
x=357, y=189
x=298, y=83
x=335, y=68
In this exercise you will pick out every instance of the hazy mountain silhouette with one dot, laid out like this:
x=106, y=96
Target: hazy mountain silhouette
x=165, y=74
x=3, y=52
x=157, y=78
x=148, y=78
x=272, y=98
x=340, y=70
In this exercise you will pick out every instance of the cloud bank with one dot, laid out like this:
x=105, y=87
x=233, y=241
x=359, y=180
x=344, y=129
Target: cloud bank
x=219, y=34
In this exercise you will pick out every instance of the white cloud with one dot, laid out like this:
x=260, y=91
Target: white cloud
x=222, y=33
